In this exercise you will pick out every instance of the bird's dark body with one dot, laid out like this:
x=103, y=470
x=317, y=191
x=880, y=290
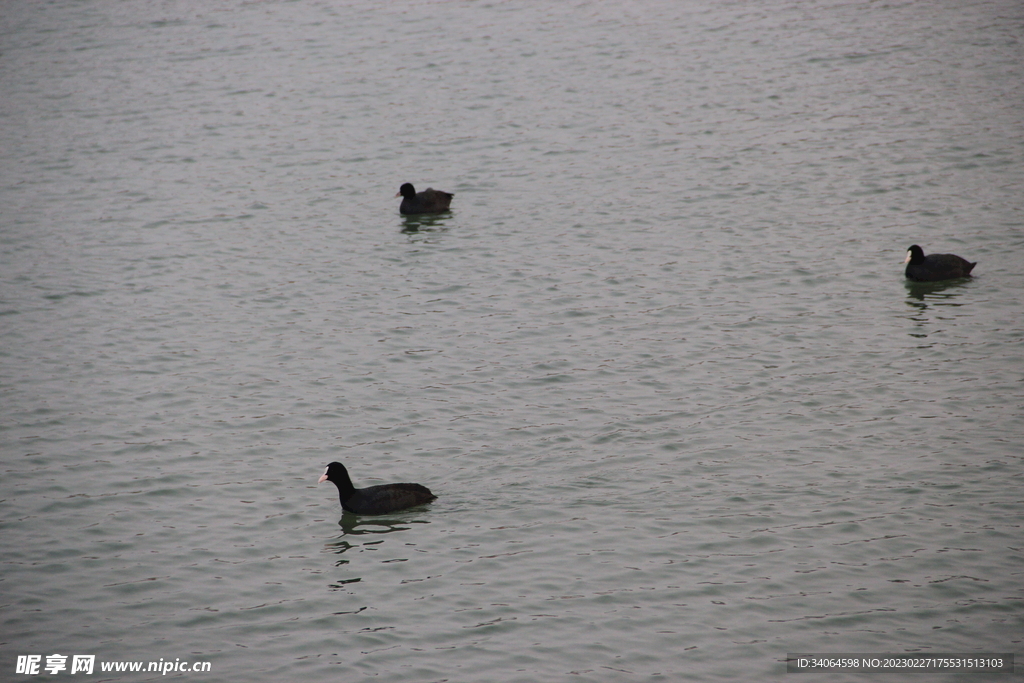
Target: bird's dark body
x=375, y=500
x=379, y=500
x=428, y=201
x=935, y=267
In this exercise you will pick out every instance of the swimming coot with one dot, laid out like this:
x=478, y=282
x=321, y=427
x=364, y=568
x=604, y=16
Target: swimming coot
x=428, y=201
x=921, y=268
x=374, y=500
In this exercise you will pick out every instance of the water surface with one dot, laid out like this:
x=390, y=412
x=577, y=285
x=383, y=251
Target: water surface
x=682, y=411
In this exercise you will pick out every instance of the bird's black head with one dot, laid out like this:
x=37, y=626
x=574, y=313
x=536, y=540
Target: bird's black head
x=407, y=191
x=915, y=255
x=337, y=474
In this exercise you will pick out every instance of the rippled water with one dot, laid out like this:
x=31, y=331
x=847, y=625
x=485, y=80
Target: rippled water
x=683, y=413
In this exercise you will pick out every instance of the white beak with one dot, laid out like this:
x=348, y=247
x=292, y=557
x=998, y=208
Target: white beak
x=907, y=260
x=323, y=478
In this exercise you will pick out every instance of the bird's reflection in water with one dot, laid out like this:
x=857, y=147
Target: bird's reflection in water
x=922, y=296
x=424, y=223
x=942, y=290
x=361, y=525
x=358, y=525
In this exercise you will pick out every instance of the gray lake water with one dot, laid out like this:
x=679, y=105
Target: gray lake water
x=683, y=413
